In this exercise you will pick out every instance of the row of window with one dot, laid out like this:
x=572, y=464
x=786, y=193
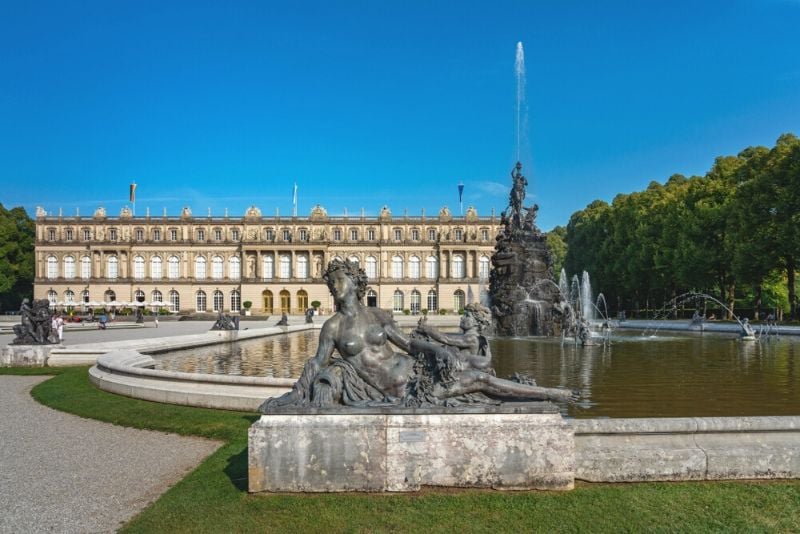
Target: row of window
x=399, y=269
x=217, y=234
x=173, y=303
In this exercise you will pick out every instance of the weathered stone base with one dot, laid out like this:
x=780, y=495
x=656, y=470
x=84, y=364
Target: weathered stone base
x=25, y=355
x=403, y=452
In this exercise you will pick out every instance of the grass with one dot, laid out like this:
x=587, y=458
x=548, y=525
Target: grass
x=214, y=498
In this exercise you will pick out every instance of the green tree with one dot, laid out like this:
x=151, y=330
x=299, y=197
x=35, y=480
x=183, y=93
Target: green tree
x=557, y=244
x=17, y=232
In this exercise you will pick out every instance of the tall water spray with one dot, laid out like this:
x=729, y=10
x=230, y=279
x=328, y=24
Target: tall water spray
x=519, y=67
x=587, y=304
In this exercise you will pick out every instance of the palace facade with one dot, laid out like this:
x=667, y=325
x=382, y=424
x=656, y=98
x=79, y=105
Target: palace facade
x=207, y=264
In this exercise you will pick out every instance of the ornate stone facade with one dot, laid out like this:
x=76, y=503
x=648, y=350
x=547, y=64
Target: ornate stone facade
x=203, y=263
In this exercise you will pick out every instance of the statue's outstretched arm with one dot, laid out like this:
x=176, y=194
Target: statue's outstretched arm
x=396, y=336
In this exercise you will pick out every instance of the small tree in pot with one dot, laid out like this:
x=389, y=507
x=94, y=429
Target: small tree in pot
x=247, y=305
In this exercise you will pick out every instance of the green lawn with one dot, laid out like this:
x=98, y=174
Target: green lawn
x=213, y=498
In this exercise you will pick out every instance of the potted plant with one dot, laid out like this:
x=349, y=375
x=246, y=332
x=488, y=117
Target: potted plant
x=316, y=304
x=247, y=305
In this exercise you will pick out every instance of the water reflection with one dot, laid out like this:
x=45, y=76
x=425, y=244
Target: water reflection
x=635, y=376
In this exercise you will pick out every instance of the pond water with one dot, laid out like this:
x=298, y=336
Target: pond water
x=663, y=376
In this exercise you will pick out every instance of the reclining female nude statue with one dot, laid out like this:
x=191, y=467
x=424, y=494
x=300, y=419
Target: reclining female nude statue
x=363, y=359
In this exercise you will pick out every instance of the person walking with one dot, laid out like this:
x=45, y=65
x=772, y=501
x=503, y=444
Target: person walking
x=60, y=328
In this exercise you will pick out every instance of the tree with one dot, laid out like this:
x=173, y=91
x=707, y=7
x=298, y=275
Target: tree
x=17, y=233
x=557, y=244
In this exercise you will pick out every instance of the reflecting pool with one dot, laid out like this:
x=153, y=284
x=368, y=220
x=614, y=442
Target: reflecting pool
x=662, y=376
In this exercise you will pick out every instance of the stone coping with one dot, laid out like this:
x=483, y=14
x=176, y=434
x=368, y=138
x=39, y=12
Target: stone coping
x=685, y=425
x=468, y=409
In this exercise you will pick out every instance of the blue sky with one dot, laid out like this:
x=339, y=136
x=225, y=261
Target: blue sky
x=366, y=103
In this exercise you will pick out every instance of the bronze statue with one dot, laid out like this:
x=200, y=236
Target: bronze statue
x=363, y=359
x=35, y=327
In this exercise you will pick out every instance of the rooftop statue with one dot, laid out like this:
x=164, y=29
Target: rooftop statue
x=363, y=359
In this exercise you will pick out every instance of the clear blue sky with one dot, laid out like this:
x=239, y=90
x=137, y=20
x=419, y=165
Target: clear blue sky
x=365, y=103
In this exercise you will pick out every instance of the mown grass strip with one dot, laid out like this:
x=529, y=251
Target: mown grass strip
x=214, y=498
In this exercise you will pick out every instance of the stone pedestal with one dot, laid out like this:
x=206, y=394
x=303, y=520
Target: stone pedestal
x=368, y=451
x=25, y=355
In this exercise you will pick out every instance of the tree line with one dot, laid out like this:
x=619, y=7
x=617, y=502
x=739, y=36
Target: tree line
x=733, y=233
x=17, y=233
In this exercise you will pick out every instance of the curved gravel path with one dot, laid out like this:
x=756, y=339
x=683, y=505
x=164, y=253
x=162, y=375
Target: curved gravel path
x=62, y=473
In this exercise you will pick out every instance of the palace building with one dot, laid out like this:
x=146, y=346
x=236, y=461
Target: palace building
x=209, y=264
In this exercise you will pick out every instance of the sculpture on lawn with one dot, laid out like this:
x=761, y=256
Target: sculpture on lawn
x=35, y=327
x=363, y=359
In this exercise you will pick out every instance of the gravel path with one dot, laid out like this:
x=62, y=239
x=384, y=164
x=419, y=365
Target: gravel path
x=62, y=473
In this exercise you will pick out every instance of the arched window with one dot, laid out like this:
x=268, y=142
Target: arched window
x=174, y=268
x=174, y=301
x=433, y=301
x=52, y=296
x=109, y=296
x=236, y=300
x=69, y=297
x=458, y=266
x=302, y=300
x=354, y=259
x=372, y=267
x=200, y=269
x=372, y=298
x=286, y=302
x=269, y=268
x=138, y=268
x=432, y=266
x=268, y=301
x=200, y=304
x=138, y=296
x=483, y=268
x=458, y=300
x=155, y=268
x=219, y=301
x=286, y=266
x=85, y=296
x=235, y=268
x=156, y=296
x=397, y=301
x=413, y=267
x=86, y=267
x=217, y=268
x=397, y=267
x=69, y=267
x=52, y=267
x=416, y=301
x=112, y=267
x=302, y=268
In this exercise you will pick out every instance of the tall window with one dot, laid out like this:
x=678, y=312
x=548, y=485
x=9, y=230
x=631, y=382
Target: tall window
x=156, y=296
x=458, y=300
x=69, y=297
x=138, y=268
x=398, y=234
x=217, y=234
x=287, y=235
x=459, y=234
x=112, y=234
x=397, y=301
x=174, y=268
x=286, y=301
x=156, y=235
x=286, y=266
x=483, y=268
x=85, y=296
x=236, y=300
x=432, y=267
x=372, y=267
x=219, y=301
x=269, y=305
x=397, y=267
x=174, y=301
x=52, y=296
x=200, y=268
x=372, y=298
x=414, y=234
x=354, y=259
x=235, y=235
x=69, y=234
x=269, y=268
x=110, y=296
x=138, y=296
x=416, y=300
x=235, y=268
x=302, y=300
x=304, y=235
x=269, y=234
x=433, y=301
x=484, y=234
x=413, y=267
x=86, y=267
x=302, y=267
x=431, y=234
x=173, y=235
x=371, y=234
x=112, y=267
x=216, y=267
x=87, y=234
x=52, y=267
x=337, y=234
x=200, y=304
x=155, y=268
x=139, y=234
x=458, y=266
x=353, y=234
x=201, y=235
x=69, y=267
